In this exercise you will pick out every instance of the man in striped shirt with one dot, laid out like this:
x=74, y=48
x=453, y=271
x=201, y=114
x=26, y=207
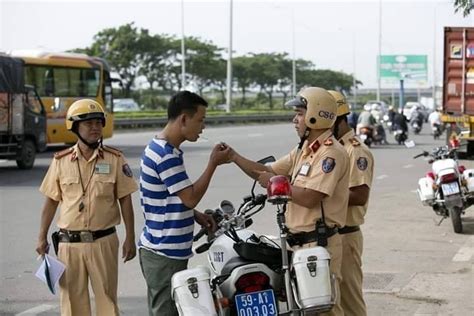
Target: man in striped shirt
x=168, y=198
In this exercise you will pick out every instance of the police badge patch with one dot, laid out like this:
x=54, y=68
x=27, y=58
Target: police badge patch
x=328, y=164
x=362, y=163
x=126, y=170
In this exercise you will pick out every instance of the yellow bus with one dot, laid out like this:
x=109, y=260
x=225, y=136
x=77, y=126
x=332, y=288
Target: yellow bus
x=62, y=78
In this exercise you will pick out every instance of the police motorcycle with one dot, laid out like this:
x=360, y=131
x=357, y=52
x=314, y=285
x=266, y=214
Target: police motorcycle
x=252, y=274
x=449, y=187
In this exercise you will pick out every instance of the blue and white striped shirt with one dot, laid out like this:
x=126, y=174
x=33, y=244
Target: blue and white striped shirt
x=169, y=224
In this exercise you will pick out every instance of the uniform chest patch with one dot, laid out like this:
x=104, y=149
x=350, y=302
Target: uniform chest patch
x=126, y=170
x=328, y=164
x=362, y=163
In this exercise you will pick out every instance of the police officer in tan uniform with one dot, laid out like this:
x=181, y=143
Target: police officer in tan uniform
x=319, y=176
x=361, y=166
x=92, y=184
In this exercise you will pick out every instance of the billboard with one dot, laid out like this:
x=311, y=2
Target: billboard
x=411, y=68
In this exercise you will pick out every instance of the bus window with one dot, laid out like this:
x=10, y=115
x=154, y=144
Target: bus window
x=91, y=77
x=49, y=82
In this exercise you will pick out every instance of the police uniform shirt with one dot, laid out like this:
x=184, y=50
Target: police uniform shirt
x=321, y=166
x=361, y=165
x=110, y=179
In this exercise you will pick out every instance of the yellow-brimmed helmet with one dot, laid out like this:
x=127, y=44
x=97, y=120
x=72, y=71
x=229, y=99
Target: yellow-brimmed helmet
x=320, y=107
x=342, y=106
x=83, y=110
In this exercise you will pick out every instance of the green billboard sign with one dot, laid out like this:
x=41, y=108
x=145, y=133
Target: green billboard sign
x=407, y=67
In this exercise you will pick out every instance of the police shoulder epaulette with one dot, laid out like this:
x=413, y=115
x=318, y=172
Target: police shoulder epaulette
x=62, y=153
x=328, y=142
x=354, y=142
x=112, y=150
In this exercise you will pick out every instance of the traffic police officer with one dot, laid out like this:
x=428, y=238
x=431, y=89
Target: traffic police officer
x=88, y=181
x=319, y=174
x=361, y=166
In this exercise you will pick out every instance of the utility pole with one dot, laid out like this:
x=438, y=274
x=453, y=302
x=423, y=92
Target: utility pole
x=229, y=64
x=183, y=59
x=294, y=50
x=380, y=50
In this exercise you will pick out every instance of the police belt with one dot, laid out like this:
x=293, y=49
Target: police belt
x=83, y=235
x=348, y=229
x=300, y=239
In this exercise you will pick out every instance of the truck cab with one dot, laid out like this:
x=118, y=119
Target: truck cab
x=22, y=116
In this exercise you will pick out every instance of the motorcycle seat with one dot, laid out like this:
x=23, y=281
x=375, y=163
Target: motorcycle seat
x=233, y=264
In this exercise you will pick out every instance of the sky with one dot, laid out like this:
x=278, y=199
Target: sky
x=337, y=35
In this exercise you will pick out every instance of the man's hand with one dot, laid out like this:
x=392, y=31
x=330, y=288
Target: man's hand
x=205, y=220
x=42, y=247
x=220, y=154
x=264, y=177
x=129, y=249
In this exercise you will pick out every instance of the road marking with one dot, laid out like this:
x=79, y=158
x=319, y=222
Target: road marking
x=37, y=310
x=382, y=177
x=466, y=251
x=255, y=135
x=407, y=166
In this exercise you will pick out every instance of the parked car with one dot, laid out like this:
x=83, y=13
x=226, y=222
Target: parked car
x=125, y=105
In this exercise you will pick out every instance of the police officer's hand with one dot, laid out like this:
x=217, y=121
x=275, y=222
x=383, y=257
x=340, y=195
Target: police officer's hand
x=129, y=250
x=263, y=177
x=42, y=247
x=220, y=154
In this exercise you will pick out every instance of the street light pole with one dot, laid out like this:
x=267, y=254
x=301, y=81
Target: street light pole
x=183, y=58
x=380, y=50
x=229, y=64
x=294, y=50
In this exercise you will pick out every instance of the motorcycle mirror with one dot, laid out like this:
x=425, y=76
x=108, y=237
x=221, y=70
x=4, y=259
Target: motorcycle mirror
x=202, y=248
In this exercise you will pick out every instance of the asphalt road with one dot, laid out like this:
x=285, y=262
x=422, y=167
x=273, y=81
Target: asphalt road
x=411, y=265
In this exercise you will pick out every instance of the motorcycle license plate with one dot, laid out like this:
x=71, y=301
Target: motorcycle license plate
x=256, y=303
x=450, y=188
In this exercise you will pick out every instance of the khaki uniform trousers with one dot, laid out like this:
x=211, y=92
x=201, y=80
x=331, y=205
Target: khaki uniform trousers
x=352, y=299
x=334, y=248
x=96, y=261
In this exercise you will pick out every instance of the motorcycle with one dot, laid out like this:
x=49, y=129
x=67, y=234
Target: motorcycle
x=449, y=187
x=416, y=125
x=437, y=130
x=366, y=135
x=400, y=136
x=252, y=274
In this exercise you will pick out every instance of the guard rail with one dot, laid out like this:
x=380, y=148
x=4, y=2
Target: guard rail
x=122, y=123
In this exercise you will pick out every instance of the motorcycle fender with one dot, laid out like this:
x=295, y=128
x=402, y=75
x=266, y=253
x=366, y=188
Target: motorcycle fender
x=228, y=286
x=454, y=200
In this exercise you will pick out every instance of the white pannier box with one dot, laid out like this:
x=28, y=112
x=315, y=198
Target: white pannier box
x=192, y=293
x=425, y=190
x=468, y=175
x=313, y=277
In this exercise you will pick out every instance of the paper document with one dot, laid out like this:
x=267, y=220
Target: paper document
x=50, y=272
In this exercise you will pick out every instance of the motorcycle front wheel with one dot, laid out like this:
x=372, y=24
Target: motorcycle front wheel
x=455, y=214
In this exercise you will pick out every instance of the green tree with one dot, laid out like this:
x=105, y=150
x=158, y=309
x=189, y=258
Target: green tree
x=267, y=71
x=203, y=63
x=242, y=73
x=153, y=58
x=121, y=47
x=463, y=5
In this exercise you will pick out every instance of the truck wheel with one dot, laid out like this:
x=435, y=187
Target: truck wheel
x=455, y=214
x=28, y=154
